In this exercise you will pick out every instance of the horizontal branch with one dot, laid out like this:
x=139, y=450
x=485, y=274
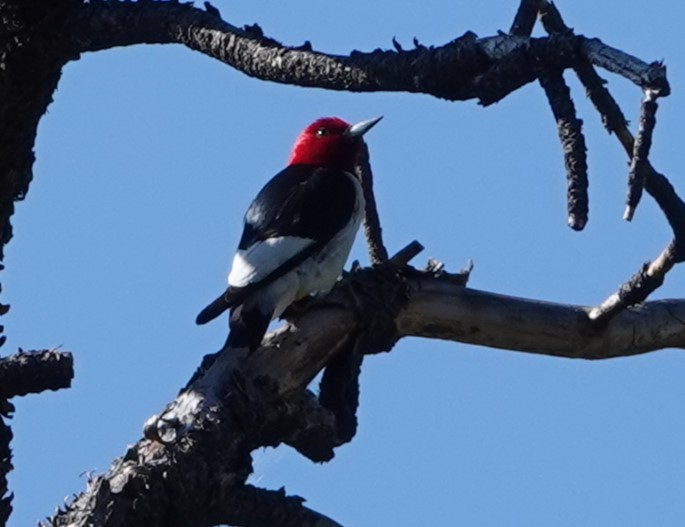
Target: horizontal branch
x=445, y=311
x=486, y=69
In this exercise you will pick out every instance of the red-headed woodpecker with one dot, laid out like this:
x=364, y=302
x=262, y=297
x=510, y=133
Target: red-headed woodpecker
x=298, y=231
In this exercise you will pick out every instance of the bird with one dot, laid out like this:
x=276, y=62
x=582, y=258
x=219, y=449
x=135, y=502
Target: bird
x=297, y=232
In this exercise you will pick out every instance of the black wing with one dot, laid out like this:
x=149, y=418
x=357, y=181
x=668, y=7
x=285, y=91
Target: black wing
x=303, y=201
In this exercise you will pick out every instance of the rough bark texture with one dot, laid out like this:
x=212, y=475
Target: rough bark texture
x=192, y=464
x=34, y=372
x=573, y=145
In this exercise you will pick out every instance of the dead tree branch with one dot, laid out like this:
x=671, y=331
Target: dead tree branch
x=572, y=144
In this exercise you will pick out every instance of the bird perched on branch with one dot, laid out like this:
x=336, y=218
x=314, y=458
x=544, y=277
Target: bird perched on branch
x=298, y=231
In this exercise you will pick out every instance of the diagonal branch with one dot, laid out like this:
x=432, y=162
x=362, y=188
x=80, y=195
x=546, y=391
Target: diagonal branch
x=199, y=475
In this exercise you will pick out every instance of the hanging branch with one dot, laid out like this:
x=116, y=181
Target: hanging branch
x=339, y=391
x=573, y=145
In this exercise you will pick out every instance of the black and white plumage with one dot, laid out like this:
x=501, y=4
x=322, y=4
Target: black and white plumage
x=298, y=232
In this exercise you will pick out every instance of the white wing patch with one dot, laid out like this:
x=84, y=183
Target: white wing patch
x=257, y=261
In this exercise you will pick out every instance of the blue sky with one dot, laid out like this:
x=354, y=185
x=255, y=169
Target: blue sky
x=147, y=160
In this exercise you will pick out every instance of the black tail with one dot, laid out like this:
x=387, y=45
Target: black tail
x=225, y=301
x=248, y=327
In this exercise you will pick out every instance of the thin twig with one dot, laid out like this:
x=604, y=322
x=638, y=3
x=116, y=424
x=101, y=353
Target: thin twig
x=372, y=224
x=5, y=468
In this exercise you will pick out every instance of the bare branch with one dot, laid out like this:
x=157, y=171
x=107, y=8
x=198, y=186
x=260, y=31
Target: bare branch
x=441, y=310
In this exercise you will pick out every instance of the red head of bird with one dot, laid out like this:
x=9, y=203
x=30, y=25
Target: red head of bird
x=330, y=142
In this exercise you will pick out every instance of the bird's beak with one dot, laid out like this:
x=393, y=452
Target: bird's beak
x=359, y=129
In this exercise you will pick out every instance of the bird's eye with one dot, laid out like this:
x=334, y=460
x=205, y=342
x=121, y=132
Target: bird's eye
x=321, y=132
